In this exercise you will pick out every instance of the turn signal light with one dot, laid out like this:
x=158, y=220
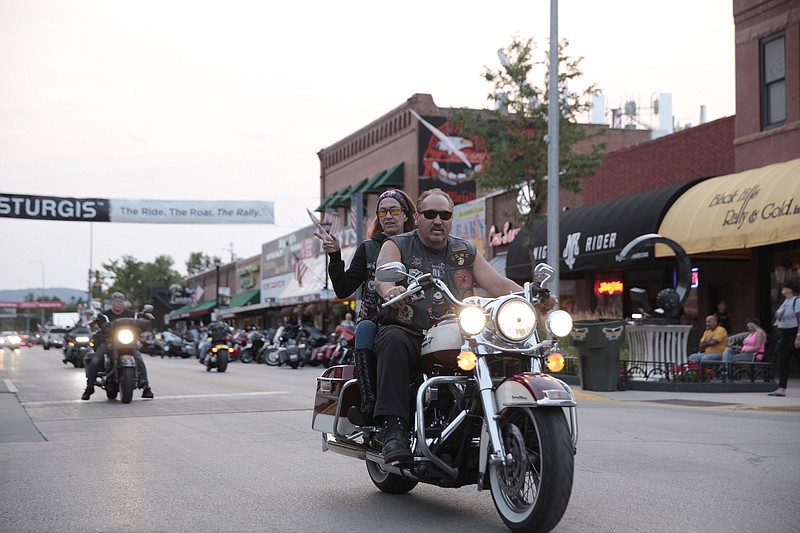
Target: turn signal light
x=466, y=361
x=555, y=362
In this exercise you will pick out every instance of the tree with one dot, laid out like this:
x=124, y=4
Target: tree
x=514, y=136
x=132, y=277
x=198, y=262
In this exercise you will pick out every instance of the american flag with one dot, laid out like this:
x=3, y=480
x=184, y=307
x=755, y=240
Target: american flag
x=331, y=216
x=197, y=294
x=300, y=269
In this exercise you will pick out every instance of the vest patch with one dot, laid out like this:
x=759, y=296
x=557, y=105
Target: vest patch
x=463, y=278
x=459, y=259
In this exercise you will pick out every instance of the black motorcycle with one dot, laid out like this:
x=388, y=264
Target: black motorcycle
x=254, y=349
x=118, y=373
x=78, y=347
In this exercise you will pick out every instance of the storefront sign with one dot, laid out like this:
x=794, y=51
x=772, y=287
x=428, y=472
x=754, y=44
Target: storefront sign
x=501, y=238
x=608, y=287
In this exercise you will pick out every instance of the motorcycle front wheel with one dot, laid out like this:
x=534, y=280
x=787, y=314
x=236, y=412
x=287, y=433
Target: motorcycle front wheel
x=531, y=493
x=126, y=387
x=388, y=482
x=247, y=356
x=272, y=358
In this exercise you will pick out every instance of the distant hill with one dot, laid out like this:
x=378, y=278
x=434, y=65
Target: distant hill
x=62, y=293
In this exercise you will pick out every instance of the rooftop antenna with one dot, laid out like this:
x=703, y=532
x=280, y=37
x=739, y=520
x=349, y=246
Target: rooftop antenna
x=233, y=255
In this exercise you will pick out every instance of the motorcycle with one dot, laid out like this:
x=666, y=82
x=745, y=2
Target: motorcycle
x=291, y=354
x=342, y=351
x=78, y=347
x=252, y=350
x=485, y=411
x=118, y=373
x=218, y=356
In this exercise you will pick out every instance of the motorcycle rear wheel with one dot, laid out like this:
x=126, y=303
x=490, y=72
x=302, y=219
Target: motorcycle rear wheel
x=126, y=387
x=222, y=362
x=111, y=390
x=532, y=493
x=272, y=358
x=388, y=482
x=247, y=356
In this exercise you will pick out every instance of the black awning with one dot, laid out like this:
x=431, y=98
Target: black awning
x=591, y=237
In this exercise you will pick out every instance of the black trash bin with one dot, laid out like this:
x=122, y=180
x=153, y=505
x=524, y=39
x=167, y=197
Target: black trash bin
x=598, y=341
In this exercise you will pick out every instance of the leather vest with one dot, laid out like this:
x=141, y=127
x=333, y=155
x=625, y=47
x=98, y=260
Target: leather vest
x=453, y=265
x=370, y=299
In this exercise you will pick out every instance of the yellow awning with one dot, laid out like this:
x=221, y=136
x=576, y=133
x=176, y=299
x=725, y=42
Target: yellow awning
x=752, y=208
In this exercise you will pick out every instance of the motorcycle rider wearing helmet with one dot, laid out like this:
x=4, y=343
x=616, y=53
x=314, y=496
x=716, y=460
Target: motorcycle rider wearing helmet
x=428, y=249
x=394, y=215
x=117, y=310
x=218, y=332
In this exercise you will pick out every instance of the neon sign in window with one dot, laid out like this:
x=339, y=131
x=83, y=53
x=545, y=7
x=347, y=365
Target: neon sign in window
x=608, y=287
x=695, y=278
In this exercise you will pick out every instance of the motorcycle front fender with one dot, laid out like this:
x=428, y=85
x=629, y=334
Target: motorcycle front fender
x=533, y=390
x=127, y=360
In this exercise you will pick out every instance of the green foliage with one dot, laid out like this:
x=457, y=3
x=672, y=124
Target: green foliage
x=515, y=139
x=198, y=262
x=133, y=277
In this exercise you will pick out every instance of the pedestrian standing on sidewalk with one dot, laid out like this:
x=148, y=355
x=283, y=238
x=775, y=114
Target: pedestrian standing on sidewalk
x=787, y=318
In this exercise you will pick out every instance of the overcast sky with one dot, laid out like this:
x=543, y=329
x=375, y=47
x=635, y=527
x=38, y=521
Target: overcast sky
x=232, y=100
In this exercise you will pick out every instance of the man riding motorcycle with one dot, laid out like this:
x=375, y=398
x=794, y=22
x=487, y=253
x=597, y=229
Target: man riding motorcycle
x=116, y=311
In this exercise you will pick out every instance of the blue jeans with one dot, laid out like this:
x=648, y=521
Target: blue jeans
x=702, y=356
x=365, y=334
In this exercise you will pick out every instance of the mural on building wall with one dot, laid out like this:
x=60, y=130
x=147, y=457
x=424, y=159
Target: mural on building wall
x=442, y=168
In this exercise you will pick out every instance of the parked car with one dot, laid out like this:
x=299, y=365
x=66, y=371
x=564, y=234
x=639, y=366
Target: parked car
x=9, y=340
x=54, y=338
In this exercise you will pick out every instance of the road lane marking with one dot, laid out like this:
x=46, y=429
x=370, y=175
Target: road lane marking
x=10, y=386
x=176, y=397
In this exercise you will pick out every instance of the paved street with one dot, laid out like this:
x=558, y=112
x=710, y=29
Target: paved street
x=235, y=452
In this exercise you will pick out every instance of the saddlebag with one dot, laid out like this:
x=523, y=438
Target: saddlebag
x=336, y=391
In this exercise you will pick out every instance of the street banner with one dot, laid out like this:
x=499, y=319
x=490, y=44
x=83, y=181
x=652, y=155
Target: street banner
x=33, y=305
x=135, y=211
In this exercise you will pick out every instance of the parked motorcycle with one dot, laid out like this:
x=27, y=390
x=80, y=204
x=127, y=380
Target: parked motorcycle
x=78, y=347
x=118, y=373
x=485, y=411
x=342, y=353
x=291, y=354
x=253, y=348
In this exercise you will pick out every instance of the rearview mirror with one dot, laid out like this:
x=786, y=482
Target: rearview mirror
x=391, y=272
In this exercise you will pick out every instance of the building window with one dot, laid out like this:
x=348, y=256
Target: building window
x=773, y=81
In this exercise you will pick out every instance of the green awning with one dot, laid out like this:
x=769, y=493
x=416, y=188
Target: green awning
x=246, y=298
x=188, y=311
x=326, y=202
x=342, y=198
x=360, y=186
x=386, y=180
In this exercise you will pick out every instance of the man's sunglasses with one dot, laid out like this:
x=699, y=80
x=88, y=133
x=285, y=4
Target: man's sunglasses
x=430, y=214
x=394, y=211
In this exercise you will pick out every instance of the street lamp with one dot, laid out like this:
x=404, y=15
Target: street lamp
x=42, y=297
x=27, y=312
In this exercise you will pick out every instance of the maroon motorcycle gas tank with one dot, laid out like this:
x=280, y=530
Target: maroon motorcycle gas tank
x=442, y=344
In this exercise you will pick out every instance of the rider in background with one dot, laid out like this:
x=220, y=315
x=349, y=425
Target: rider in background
x=394, y=215
x=116, y=311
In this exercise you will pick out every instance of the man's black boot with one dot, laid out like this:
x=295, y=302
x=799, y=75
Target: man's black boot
x=87, y=393
x=365, y=367
x=395, y=441
x=147, y=393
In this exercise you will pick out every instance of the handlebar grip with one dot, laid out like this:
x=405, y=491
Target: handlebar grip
x=402, y=296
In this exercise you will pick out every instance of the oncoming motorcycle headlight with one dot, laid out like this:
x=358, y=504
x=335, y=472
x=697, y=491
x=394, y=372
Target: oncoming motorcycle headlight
x=82, y=339
x=516, y=319
x=125, y=336
x=559, y=323
x=472, y=320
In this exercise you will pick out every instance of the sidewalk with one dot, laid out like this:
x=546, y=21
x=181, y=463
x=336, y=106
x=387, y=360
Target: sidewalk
x=753, y=401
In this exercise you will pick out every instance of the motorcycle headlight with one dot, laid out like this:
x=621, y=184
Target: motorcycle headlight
x=82, y=339
x=559, y=323
x=125, y=336
x=516, y=319
x=472, y=320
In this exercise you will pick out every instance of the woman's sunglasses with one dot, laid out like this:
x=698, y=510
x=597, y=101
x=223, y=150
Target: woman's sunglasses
x=394, y=211
x=430, y=214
